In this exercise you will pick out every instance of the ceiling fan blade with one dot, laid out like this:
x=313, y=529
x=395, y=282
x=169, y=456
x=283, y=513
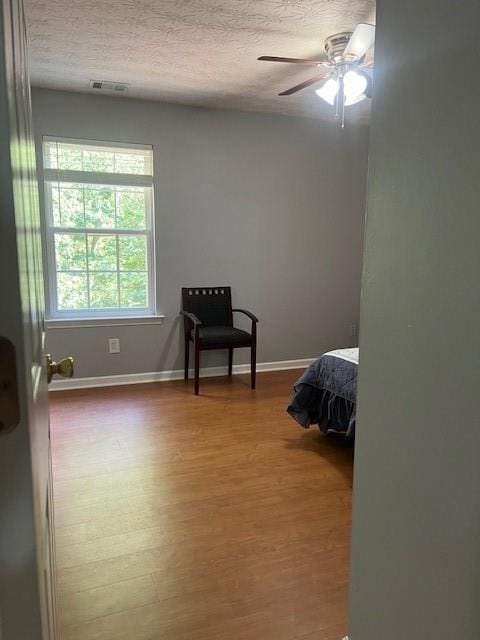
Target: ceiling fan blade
x=302, y=85
x=362, y=39
x=312, y=63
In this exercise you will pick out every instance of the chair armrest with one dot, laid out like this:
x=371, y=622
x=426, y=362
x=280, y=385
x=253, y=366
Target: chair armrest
x=191, y=317
x=247, y=313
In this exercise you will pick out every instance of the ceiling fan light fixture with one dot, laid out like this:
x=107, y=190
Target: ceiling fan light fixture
x=350, y=101
x=347, y=81
x=354, y=84
x=328, y=91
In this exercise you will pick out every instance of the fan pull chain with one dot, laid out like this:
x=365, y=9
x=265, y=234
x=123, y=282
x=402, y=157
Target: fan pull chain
x=341, y=100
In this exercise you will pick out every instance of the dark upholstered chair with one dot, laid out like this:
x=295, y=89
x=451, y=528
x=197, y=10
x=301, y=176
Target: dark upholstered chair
x=208, y=323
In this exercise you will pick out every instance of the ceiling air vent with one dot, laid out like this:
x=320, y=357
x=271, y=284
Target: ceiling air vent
x=107, y=86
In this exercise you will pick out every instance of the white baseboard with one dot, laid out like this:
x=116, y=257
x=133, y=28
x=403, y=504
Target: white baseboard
x=177, y=374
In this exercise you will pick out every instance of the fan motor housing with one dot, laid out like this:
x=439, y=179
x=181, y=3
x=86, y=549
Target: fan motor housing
x=335, y=45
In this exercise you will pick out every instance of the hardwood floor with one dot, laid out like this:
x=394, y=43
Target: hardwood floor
x=198, y=518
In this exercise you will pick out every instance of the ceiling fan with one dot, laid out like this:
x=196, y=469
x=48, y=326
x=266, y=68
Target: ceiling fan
x=348, y=80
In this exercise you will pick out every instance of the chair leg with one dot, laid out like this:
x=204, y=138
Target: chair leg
x=230, y=361
x=187, y=356
x=253, y=365
x=197, y=370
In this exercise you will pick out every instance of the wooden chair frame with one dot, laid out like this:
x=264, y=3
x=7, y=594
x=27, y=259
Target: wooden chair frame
x=192, y=325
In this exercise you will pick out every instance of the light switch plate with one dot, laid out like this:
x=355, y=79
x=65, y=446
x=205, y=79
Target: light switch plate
x=114, y=345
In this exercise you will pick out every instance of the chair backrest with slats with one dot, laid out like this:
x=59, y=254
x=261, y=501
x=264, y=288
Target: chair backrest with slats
x=211, y=305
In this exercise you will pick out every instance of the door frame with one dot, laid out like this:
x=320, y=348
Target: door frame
x=27, y=561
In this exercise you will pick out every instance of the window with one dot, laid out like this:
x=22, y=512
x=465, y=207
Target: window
x=99, y=220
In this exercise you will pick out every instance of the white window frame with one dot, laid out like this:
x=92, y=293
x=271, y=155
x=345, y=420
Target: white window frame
x=113, y=179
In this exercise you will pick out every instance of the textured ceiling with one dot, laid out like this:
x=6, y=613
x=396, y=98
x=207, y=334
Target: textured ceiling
x=194, y=52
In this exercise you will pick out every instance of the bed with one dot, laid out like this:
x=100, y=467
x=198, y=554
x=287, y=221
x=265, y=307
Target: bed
x=326, y=393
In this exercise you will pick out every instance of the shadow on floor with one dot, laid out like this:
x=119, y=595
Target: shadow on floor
x=337, y=450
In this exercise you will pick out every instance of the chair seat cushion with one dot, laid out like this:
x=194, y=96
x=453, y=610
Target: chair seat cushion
x=229, y=336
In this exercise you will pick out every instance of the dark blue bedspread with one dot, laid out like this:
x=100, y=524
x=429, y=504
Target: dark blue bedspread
x=326, y=395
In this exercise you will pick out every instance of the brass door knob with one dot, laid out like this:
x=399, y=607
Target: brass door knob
x=63, y=367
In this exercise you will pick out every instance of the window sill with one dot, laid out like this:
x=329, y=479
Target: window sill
x=90, y=323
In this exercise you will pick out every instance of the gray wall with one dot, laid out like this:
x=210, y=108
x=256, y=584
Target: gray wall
x=272, y=205
x=416, y=534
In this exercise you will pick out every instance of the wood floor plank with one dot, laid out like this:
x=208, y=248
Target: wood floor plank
x=82, y=606
x=192, y=518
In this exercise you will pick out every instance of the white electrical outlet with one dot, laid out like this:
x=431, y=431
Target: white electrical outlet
x=353, y=330
x=114, y=345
